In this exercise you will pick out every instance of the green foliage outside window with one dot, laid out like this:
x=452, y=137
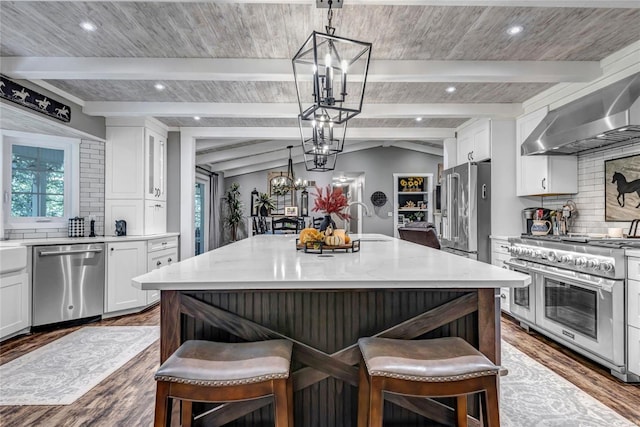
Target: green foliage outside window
x=37, y=182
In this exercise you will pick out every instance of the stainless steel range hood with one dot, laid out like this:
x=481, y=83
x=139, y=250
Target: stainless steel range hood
x=608, y=117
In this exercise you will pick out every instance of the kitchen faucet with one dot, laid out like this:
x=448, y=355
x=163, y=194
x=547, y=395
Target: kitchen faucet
x=346, y=209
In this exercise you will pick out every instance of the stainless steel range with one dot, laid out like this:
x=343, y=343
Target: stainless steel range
x=577, y=294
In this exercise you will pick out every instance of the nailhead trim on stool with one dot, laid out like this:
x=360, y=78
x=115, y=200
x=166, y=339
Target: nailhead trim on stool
x=207, y=371
x=426, y=368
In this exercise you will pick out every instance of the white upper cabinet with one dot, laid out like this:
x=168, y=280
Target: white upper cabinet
x=124, y=157
x=474, y=142
x=542, y=175
x=155, y=170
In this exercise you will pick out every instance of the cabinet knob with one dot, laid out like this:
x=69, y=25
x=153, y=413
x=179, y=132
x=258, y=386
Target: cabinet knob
x=169, y=260
x=111, y=249
x=158, y=263
x=503, y=296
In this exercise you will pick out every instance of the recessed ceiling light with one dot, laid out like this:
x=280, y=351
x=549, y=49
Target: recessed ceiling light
x=602, y=135
x=159, y=86
x=196, y=117
x=516, y=29
x=88, y=26
x=451, y=89
x=418, y=119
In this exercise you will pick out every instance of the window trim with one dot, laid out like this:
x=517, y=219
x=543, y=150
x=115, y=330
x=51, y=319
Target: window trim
x=71, y=147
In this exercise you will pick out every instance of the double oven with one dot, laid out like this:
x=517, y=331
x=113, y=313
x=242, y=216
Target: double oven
x=576, y=296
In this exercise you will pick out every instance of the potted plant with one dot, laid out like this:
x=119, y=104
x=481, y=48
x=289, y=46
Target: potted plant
x=234, y=210
x=265, y=204
x=330, y=201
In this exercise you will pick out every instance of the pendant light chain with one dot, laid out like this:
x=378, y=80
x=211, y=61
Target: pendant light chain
x=328, y=28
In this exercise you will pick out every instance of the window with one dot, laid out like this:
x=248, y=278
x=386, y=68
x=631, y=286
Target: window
x=40, y=180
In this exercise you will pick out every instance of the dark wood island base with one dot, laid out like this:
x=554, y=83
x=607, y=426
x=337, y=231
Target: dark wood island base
x=324, y=326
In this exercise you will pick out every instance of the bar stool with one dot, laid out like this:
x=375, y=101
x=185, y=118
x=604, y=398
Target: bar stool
x=428, y=368
x=205, y=371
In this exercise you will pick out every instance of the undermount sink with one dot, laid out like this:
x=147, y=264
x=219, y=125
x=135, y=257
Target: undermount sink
x=12, y=258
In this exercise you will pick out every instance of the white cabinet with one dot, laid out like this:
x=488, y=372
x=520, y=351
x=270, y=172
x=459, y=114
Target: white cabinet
x=14, y=303
x=135, y=171
x=124, y=157
x=412, y=198
x=633, y=350
x=155, y=162
x=125, y=260
x=130, y=210
x=474, y=142
x=633, y=303
x=541, y=174
x=499, y=254
x=155, y=217
x=160, y=253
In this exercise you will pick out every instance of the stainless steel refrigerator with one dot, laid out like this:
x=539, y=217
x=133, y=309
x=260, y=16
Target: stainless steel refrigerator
x=466, y=211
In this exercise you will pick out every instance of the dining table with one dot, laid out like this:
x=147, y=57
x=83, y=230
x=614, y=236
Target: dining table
x=264, y=287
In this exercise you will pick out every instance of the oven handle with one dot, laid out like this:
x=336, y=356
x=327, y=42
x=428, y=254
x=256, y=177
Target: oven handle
x=606, y=287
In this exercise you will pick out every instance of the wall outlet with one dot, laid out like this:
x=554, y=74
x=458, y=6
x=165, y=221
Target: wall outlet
x=389, y=213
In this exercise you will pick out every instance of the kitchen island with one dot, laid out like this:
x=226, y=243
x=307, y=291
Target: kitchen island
x=262, y=288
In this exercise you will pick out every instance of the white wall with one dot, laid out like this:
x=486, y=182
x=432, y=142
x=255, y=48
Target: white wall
x=378, y=164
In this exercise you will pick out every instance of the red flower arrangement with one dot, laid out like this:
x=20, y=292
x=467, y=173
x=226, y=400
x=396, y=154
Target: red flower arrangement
x=334, y=201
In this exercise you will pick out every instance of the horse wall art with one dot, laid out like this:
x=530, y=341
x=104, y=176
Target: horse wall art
x=622, y=189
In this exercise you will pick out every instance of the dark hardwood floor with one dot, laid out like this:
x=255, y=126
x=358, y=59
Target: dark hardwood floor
x=126, y=398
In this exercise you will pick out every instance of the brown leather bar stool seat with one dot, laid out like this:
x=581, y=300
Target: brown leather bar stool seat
x=427, y=368
x=205, y=371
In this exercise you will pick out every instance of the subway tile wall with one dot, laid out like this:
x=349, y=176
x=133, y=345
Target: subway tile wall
x=591, y=187
x=91, y=195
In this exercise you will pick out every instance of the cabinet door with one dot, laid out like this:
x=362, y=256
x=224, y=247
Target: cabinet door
x=124, y=153
x=633, y=303
x=125, y=261
x=131, y=211
x=634, y=350
x=155, y=217
x=465, y=146
x=530, y=170
x=155, y=171
x=481, y=149
x=14, y=303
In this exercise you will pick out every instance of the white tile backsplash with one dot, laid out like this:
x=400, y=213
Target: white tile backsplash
x=590, y=197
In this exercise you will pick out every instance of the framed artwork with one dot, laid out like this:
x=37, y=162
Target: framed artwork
x=622, y=188
x=291, y=211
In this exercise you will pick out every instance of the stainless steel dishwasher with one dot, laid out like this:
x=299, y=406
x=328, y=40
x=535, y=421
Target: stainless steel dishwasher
x=68, y=282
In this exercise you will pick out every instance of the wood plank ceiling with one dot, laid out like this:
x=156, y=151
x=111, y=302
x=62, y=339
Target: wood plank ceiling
x=245, y=82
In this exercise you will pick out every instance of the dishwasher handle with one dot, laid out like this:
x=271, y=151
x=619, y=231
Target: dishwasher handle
x=72, y=252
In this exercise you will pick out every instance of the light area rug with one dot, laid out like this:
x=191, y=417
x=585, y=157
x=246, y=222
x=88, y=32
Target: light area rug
x=535, y=396
x=63, y=370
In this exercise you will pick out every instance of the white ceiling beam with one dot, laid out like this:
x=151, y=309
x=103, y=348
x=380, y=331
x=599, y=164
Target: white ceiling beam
x=293, y=133
x=278, y=155
x=418, y=147
x=507, y=3
x=206, y=144
x=207, y=69
x=290, y=110
x=243, y=151
x=268, y=165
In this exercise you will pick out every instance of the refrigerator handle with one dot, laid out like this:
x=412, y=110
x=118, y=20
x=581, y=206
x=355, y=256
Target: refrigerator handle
x=484, y=191
x=449, y=212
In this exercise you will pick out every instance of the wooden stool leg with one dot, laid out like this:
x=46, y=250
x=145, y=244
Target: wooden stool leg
x=492, y=408
x=187, y=413
x=280, y=403
x=290, y=399
x=363, y=396
x=376, y=402
x=162, y=418
x=461, y=411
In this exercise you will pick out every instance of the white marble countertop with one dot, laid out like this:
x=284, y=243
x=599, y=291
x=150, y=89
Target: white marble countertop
x=272, y=262
x=81, y=240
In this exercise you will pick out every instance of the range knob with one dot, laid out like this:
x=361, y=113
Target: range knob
x=580, y=262
x=513, y=250
x=593, y=263
x=606, y=266
x=565, y=259
x=552, y=256
x=536, y=254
